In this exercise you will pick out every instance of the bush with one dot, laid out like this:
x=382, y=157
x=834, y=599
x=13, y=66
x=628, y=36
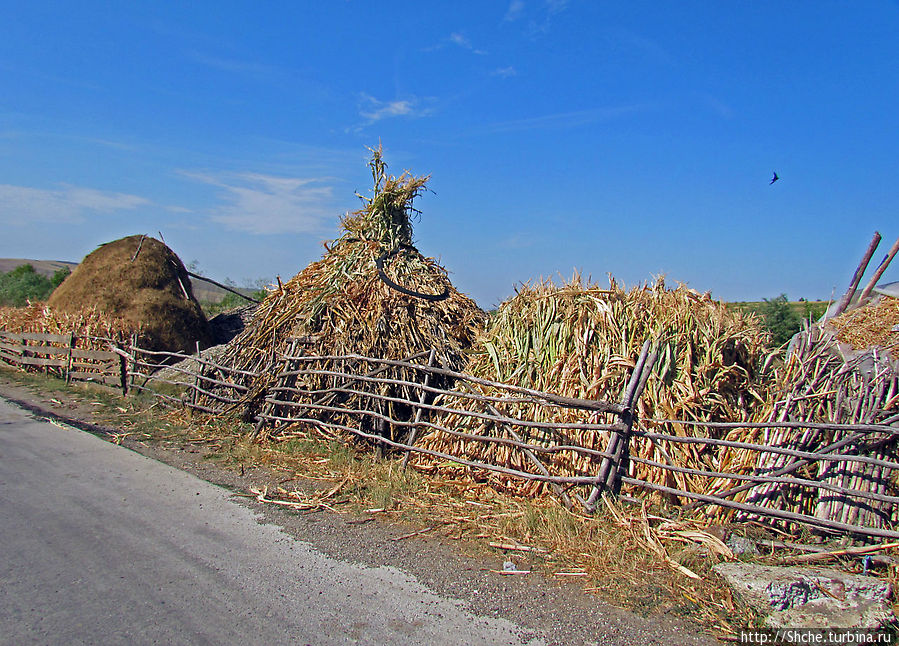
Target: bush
x=780, y=318
x=24, y=284
x=59, y=276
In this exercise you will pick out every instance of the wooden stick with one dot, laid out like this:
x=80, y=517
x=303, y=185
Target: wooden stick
x=766, y=511
x=857, y=277
x=877, y=559
x=756, y=479
x=517, y=548
x=140, y=242
x=533, y=458
x=569, y=402
x=882, y=267
x=413, y=430
x=850, y=551
x=225, y=287
x=609, y=465
x=460, y=434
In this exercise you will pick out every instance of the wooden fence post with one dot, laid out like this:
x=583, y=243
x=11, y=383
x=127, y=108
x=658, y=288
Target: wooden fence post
x=69, y=359
x=607, y=477
x=132, y=360
x=123, y=373
x=194, y=393
x=413, y=432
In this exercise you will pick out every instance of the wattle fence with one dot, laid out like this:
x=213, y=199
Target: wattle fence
x=851, y=490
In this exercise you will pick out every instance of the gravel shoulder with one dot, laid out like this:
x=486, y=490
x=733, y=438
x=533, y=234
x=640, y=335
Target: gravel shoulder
x=558, y=611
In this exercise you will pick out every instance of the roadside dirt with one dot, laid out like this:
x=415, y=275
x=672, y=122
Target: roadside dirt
x=559, y=611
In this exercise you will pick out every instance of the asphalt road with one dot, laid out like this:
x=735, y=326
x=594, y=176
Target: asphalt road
x=100, y=545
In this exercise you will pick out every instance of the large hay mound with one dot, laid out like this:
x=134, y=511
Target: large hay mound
x=582, y=340
x=141, y=281
x=344, y=300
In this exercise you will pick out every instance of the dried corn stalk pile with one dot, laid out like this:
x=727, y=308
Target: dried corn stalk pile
x=341, y=300
x=581, y=340
x=840, y=373
x=85, y=325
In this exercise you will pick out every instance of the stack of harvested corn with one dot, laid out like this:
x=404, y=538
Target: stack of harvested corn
x=581, y=340
x=345, y=302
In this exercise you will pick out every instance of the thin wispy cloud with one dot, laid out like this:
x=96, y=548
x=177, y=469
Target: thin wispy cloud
x=513, y=13
x=252, y=69
x=267, y=204
x=504, y=72
x=462, y=41
x=536, y=17
x=23, y=204
x=374, y=110
x=565, y=119
x=645, y=47
x=717, y=106
x=456, y=39
x=556, y=6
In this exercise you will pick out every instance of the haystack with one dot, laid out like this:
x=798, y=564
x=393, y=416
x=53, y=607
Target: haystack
x=371, y=294
x=140, y=281
x=581, y=340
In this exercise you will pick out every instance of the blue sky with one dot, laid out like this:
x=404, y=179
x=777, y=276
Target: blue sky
x=632, y=138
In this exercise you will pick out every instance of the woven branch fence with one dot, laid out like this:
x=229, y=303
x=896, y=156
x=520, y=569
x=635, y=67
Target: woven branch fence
x=846, y=484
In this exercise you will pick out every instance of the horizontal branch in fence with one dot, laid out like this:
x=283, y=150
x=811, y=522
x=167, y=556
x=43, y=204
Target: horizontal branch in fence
x=188, y=373
x=180, y=357
x=108, y=379
x=757, y=478
x=486, y=439
x=37, y=361
x=95, y=355
x=567, y=402
x=826, y=426
x=37, y=336
x=179, y=402
x=457, y=411
x=764, y=511
x=815, y=457
x=575, y=480
x=455, y=392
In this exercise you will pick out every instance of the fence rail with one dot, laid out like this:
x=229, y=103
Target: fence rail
x=856, y=471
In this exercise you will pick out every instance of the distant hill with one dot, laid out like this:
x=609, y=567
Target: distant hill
x=203, y=291
x=44, y=267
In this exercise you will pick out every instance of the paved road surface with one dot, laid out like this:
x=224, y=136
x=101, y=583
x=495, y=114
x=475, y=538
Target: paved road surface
x=99, y=545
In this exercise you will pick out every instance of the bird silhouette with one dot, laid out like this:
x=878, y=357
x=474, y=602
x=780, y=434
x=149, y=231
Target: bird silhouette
x=773, y=179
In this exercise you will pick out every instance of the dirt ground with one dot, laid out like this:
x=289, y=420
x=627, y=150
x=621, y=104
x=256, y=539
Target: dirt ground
x=560, y=611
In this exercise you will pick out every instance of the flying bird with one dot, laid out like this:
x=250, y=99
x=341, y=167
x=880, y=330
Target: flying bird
x=773, y=179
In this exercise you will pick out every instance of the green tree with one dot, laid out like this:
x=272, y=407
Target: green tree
x=60, y=275
x=23, y=284
x=780, y=318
